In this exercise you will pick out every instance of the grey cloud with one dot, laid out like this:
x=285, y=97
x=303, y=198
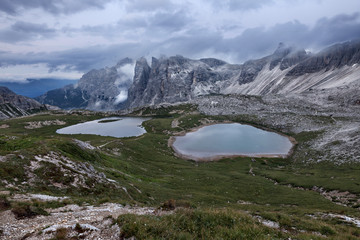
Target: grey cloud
x=81, y=60
x=23, y=31
x=247, y=4
x=241, y=5
x=199, y=42
x=160, y=24
x=31, y=28
x=149, y=5
x=14, y=7
x=337, y=29
x=170, y=21
x=258, y=42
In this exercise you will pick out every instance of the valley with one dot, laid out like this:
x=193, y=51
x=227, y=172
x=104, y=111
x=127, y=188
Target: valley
x=179, y=120
x=119, y=185
x=301, y=196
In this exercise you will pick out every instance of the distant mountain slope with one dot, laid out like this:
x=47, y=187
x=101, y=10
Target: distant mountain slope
x=13, y=105
x=36, y=87
x=103, y=89
x=179, y=79
x=287, y=70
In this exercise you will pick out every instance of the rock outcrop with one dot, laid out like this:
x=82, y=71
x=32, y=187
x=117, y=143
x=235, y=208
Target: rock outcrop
x=287, y=70
x=104, y=89
x=179, y=79
x=13, y=105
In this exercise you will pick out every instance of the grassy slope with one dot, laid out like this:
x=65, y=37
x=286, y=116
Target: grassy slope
x=146, y=163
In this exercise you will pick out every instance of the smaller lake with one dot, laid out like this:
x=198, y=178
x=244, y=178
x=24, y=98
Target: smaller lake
x=114, y=127
x=231, y=139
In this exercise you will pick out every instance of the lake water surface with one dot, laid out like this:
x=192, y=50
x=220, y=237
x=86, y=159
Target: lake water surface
x=231, y=139
x=120, y=127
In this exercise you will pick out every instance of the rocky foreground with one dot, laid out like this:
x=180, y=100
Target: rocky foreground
x=71, y=221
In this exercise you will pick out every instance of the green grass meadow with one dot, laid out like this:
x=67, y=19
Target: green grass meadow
x=215, y=200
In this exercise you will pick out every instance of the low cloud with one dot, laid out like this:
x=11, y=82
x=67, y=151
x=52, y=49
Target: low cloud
x=193, y=42
x=149, y=5
x=243, y=5
x=23, y=31
x=15, y=7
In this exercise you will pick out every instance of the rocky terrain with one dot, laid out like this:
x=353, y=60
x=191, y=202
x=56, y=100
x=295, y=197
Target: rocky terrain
x=287, y=70
x=179, y=79
x=13, y=105
x=311, y=97
x=71, y=221
x=340, y=110
x=103, y=90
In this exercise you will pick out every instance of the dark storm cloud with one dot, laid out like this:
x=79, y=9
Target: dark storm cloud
x=337, y=29
x=199, y=42
x=14, y=7
x=23, y=31
x=155, y=25
x=257, y=42
x=81, y=60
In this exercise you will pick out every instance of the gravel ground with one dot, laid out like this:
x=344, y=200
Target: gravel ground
x=335, y=113
x=95, y=222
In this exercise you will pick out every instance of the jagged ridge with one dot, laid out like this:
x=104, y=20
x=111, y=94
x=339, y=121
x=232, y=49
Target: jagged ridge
x=13, y=105
x=179, y=79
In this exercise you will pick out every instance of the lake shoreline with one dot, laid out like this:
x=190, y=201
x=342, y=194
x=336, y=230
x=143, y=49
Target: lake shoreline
x=230, y=156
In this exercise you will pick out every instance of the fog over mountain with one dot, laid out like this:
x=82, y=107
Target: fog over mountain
x=288, y=70
x=36, y=87
x=65, y=39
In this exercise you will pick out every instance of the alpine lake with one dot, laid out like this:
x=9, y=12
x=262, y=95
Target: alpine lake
x=206, y=143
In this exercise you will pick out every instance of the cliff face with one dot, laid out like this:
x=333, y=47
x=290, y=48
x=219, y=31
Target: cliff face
x=179, y=79
x=336, y=56
x=13, y=105
x=103, y=89
x=176, y=79
x=287, y=70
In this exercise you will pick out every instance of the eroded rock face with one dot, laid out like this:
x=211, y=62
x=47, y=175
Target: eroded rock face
x=336, y=56
x=179, y=79
x=13, y=105
x=104, y=89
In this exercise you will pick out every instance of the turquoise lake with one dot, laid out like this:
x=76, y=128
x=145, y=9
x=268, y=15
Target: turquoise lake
x=231, y=139
x=120, y=127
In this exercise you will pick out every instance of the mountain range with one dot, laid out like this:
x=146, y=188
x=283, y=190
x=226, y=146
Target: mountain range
x=36, y=87
x=132, y=84
x=103, y=89
x=13, y=105
x=287, y=70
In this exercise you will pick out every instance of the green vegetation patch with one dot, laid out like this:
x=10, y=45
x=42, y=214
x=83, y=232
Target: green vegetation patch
x=146, y=172
x=189, y=224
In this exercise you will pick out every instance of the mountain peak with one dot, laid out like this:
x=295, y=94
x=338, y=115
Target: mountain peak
x=283, y=50
x=124, y=61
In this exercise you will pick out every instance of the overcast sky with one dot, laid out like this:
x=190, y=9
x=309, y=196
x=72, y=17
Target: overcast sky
x=66, y=38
